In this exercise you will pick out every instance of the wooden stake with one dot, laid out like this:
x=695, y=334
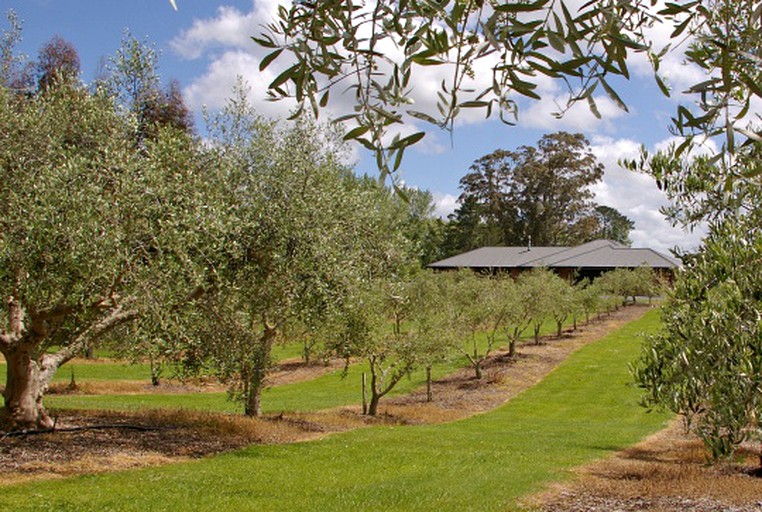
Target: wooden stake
x=364, y=394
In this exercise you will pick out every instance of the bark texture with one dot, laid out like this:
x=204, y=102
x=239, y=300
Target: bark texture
x=253, y=398
x=25, y=386
x=30, y=370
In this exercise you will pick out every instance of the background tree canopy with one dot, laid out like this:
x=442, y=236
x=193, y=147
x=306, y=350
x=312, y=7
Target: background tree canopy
x=534, y=195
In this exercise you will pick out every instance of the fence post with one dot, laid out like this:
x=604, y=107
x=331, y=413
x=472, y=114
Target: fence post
x=364, y=394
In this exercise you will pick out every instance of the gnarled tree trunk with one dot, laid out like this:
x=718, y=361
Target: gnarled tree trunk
x=26, y=383
x=30, y=370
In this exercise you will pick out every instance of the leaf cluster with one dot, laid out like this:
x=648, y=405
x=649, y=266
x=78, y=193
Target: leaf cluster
x=376, y=50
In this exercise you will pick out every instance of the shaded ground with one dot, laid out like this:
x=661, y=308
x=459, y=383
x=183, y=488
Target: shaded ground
x=666, y=472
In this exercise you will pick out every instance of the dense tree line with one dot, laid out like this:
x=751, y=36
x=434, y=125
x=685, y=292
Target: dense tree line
x=534, y=195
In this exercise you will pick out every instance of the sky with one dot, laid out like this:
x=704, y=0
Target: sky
x=206, y=45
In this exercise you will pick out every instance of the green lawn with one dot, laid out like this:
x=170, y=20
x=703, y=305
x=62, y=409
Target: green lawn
x=96, y=371
x=100, y=370
x=582, y=411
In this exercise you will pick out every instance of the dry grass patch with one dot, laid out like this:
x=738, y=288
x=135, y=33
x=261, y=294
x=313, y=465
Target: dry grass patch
x=134, y=387
x=164, y=436
x=295, y=370
x=666, y=472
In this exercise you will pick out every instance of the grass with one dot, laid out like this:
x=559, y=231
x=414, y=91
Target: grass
x=583, y=410
x=100, y=370
x=331, y=390
x=95, y=371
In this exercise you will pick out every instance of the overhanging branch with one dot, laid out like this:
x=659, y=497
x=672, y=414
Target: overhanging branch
x=114, y=318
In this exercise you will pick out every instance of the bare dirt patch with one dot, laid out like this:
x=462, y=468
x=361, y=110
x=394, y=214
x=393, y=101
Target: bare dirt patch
x=180, y=435
x=665, y=472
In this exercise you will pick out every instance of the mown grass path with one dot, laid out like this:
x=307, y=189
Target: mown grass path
x=583, y=410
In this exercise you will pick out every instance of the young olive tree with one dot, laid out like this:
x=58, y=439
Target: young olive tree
x=480, y=315
x=397, y=325
x=514, y=297
x=93, y=234
x=589, y=298
x=564, y=303
x=539, y=297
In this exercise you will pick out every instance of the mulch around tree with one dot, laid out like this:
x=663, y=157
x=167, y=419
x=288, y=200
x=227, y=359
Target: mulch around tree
x=665, y=472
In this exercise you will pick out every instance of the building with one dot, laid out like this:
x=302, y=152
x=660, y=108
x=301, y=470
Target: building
x=588, y=260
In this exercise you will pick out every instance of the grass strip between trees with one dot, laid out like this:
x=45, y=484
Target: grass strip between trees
x=331, y=390
x=584, y=410
x=100, y=370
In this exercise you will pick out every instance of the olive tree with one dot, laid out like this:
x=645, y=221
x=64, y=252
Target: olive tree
x=539, y=296
x=706, y=362
x=377, y=50
x=302, y=231
x=93, y=234
x=564, y=303
x=514, y=296
x=480, y=316
x=397, y=325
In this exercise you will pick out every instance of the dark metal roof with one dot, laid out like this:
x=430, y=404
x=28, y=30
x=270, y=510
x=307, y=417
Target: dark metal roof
x=595, y=254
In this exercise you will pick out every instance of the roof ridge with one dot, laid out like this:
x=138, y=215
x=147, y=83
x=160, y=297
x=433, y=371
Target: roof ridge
x=594, y=249
x=560, y=250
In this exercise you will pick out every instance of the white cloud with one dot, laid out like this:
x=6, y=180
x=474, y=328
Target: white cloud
x=229, y=29
x=636, y=196
x=214, y=87
x=444, y=204
x=579, y=118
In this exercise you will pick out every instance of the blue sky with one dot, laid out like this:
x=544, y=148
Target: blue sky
x=205, y=45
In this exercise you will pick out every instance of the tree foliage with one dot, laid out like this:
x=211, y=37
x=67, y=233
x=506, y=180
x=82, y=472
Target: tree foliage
x=534, y=195
x=93, y=234
x=378, y=49
x=58, y=60
x=134, y=81
x=396, y=325
x=705, y=365
x=610, y=224
x=16, y=71
x=300, y=235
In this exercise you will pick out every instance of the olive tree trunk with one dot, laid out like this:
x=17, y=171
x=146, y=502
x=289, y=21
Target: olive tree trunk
x=253, y=399
x=30, y=370
x=25, y=385
x=382, y=381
